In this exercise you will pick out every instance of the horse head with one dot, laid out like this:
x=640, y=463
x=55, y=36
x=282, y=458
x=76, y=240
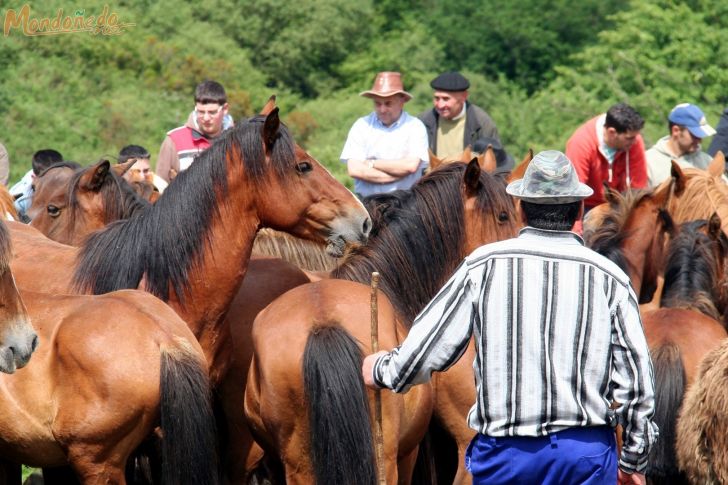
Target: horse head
x=18, y=340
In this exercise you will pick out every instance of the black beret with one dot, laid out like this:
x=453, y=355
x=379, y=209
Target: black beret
x=450, y=81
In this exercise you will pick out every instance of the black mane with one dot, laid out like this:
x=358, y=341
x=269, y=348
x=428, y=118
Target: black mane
x=418, y=235
x=165, y=240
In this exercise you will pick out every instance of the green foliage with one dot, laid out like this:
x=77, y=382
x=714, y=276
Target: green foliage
x=298, y=44
x=521, y=40
x=539, y=67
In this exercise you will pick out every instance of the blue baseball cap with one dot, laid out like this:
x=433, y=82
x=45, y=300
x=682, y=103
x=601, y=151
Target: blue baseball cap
x=692, y=118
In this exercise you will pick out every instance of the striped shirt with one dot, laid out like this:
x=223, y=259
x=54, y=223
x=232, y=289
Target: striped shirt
x=558, y=337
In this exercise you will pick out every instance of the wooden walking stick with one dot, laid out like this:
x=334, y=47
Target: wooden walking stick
x=378, y=435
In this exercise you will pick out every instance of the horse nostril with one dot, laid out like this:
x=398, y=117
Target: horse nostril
x=367, y=226
x=34, y=343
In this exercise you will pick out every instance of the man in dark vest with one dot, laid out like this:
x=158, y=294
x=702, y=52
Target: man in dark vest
x=454, y=123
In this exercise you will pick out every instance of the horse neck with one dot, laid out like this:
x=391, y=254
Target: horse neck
x=695, y=282
x=214, y=280
x=638, y=250
x=413, y=256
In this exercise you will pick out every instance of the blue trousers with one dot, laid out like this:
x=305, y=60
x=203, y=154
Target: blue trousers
x=572, y=456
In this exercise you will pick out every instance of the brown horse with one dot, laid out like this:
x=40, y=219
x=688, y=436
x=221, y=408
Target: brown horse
x=191, y=247
x=82, y=400
x=258, y=289
x=69, y=203
x=687, y=327
x=18, y=340
x=630, y=230
x=419, y=236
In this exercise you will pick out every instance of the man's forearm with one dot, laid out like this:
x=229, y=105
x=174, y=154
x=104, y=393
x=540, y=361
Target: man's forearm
x=398, y=167
x=366, y=170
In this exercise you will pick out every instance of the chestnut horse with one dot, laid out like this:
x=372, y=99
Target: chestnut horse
x=258, y=289
x=630, y=229
x=418, y=238
x=689, y=324
x=108, y=372
x=18, y=340
x=191, y=247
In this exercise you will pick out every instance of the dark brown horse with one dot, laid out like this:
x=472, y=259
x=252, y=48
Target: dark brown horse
x=419, y=236
x=689, y=324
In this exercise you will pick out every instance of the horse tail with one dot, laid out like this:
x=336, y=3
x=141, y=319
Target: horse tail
x=188, y=423
x=338, y=408
x=669, y=392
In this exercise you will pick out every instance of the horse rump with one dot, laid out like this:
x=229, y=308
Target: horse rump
x=338, y=408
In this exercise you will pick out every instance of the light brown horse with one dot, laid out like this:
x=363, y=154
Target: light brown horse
x=191, y=247
x=7, y=206
x=697, y=194
x=419, y=236
x=18, y=340
x=701, y=444
x=108, y=372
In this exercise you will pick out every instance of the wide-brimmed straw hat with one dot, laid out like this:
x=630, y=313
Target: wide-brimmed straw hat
x=387, y=84
x=550, y=179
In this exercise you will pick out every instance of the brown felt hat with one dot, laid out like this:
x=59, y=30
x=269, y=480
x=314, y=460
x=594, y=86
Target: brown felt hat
x=387, y=84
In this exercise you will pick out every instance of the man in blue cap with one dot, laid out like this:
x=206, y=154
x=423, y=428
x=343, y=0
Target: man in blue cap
x=453, y=123
x=687, y=126
x=558, y=339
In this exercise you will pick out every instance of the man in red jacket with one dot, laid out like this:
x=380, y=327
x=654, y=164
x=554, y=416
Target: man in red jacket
x=609, y=148
x=208, y=120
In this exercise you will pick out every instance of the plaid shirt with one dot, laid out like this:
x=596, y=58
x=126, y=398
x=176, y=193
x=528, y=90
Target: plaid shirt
x=558, y=337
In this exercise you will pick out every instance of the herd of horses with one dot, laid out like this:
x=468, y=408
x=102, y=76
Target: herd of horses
x=170, y=344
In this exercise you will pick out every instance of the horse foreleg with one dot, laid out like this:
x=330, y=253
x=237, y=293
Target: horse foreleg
x=10, y=473
x=454, y=396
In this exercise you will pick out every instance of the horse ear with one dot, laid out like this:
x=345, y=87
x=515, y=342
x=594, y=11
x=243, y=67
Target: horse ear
x=714, y=226
x=471, y=178
x=270, y=129
x=489, y=163
x=679, y=177
x=716, y=168
x=610, y=195
x=269, y=105
x=121, y=168
x=467, y=154
x=434, y=161
x=518, y=172
x=93, y=178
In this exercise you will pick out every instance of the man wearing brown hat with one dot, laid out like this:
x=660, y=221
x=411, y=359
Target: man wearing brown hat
x=453, y=123
x=387, y=149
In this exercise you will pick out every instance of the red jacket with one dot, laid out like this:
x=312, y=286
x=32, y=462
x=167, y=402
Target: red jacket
x=593, y=167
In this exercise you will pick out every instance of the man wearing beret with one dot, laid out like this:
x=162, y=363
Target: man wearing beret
x=453, y=123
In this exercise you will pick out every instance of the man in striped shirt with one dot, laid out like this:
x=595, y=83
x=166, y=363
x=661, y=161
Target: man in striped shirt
x=558, y=337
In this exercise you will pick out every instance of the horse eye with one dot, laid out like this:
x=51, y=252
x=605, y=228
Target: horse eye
x=54, y=211
x=503, y=217
x=304, y=167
